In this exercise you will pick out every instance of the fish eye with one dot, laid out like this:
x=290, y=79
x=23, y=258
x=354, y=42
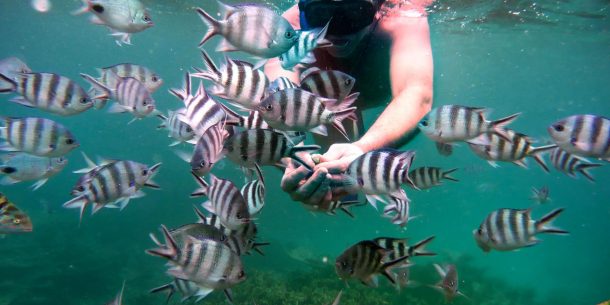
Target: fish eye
x=16, y=221
x=289, y=34
x=348, y=82
x=189, y=129
x=69, y=141
x=238, y=215
x=202, y=163
x=146, y=18
x=241, y=274
x=144, y=172
x=84, y=100
x=424, y=123
x=558, y=127
x=269, y=107
x=155, y=78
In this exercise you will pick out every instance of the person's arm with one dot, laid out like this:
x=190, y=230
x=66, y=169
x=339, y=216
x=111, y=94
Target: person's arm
x=272, y=68
x=411, y=74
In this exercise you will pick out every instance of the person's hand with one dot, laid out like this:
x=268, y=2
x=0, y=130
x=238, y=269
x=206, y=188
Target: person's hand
x=303, y=186
x=338, y=157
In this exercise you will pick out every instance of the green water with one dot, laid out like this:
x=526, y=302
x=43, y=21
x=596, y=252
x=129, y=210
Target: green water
x=547, y=59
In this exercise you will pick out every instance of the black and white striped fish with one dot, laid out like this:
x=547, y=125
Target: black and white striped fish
x=205, y=262
x=151, y=80
x=450, y=123
x=225, y=200
x=571, y=164
x=398, y=210
x=378, y=173
x=364, y=261
x=49, y=92
x=426, y=177
x=510, y=229
x=399, y=247
x=331, y=207
x=264, y=147
x=111, y=184
x=185, y=288
x=130, y=95
x=252, y=28
x=584, y=135
x=37, y=136
x=302, y=51
x=332, y=84
x=254, y=193
x=202, y=111
x=208, y=150
x=298, y=110
x=449, y=283
x=25, y=167
x=198, y=231
x=254, y=120
x=280, y=83
x=178, y=130
x=516, y=150
x=236, y=81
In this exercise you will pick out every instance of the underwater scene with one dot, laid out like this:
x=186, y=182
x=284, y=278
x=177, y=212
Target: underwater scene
x=167, y=152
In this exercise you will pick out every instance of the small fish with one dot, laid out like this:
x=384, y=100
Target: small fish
x=49, y=92
x=178, y=130
x=364, y=261
x=302, y=51
x=37, y=136
x=151, y=80
x=119, y=298
x=205, y=262
x=225, y=200
x=399, y=247
x=541, y=195
x=298, y=110
x=12, y=219
x=25, y=167
x=398, y=210
x=130, y=94
x=264, y=147
x=236, y=81
x=510, y=229
x=280, y=83
x=451, y=123
x=186, y=288
x=332, y=84
x=199, y=231
x=122, y=17
x=251, y=28
x=12, y=67
x=445, y=149
x=515, y=150
x=111, y=184
x=202, y=111
x=208, y=150
x=254, y=193
x=583, y=135
x=449, y=282
x=331, y=207
x=403, y=279
x=427, y=177
x=379, y=173
x=571, y=164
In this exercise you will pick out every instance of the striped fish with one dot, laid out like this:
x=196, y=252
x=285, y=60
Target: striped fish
x=118, y=300
x=236, y=81
x=254, y=193
x=202, y=111
x=298, y=110
x=571, y=164
x=151, y=80
x=199, y=231
x=280, y=83
x=205, y=262
x=331, y=207
x=12, y=219
x=111, y=184
x=398, y=210
x=451, y=123
x=302, y=51
x=178, y=130
x=37, y=136
x=364, y=260
x=208, y=150
x=510, y=229
x=515, y=150
x=130, y=94
x=49, y=92
x=449, y=282
x=25, y=167
x=254, y=120
x=225, y=200
x=332, y=84
x=251, y=28
x=186, y=288
x=426, y=177
x=378, y=173
x=399, y=247
x=583, y=135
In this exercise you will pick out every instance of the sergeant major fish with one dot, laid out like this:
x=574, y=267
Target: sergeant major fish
x=251, y=28
x=302, y=51
x=122, y=17
x=583, y=135
x=225, y=200
x=25, y=167
x=151, y=80
x=571, y=164
x=37, y=136
x=332, y=84
x=178, y=130
x=426, y=177
x=510, y=229
x=398, y=210
x=12, y=219
x=254, y=193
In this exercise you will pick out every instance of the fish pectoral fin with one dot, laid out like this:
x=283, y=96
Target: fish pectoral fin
x=39, y=183
x=22, y=101
x=8, y=180
x=118, y=108
x=177, y=273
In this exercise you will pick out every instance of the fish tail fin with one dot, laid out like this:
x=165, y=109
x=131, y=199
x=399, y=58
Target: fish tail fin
x=418, y=248
x=303, y=148
x=83, y=9
x=445, y=175
x=105, y=91
x=79, y=202
x=211, y=72
x=406, y=159
x=7, y=84
x=257, y=247
x=213, y=25
x=543, y=225
x=170, y=288
x=498, y=126
x=339, y=116
x=169, y=250
x=203, y=190
x=386, y=268
x=584, y=170
x=536, y=154
x=232, y=118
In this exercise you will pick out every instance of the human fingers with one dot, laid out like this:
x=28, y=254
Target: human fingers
x=292, y=178
x=322, y=193
x=305, y=190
